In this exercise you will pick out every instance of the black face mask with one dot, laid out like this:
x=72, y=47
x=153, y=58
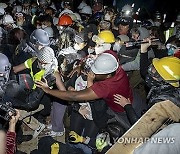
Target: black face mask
x=151, y=82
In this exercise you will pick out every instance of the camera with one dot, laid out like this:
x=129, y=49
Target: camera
x=51, y=80
x=5, y=109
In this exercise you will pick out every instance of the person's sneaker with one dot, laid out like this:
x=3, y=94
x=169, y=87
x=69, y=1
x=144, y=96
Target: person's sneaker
x=49, y=126
x=54, y=134
x=38, y=130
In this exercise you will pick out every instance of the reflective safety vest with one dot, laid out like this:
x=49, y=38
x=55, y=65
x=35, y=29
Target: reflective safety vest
x=35, y=72
x=168, y=33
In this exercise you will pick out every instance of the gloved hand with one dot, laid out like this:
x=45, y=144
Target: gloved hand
x=102, y=140
x=75, y=138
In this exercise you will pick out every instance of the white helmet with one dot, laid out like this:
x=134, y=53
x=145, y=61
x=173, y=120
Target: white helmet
x=3, y=5
x=7, y=19
x=127, y=11
x=2, y=11
x=86, y=10
x=81, y=5
x=49, y=30
x=104, y=64
x=127, y=8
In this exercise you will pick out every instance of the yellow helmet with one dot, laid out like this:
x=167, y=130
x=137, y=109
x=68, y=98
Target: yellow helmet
x=107, y=36
x=169, y=69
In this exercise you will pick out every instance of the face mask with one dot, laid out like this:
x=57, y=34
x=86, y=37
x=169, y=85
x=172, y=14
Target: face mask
x=107, y=17
x=19, y=23
x=102, y=48
x=117, y=46
x=170, y=51
x=99, y=50
x=46, y=67
x=43, y=26
x=77, y=47
x=90, y=51
x=33, y=10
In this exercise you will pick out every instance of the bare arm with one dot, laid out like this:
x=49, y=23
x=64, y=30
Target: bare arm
x=83, y=95
x=2, y=142
x=90, y=79
x=59, y=82
x=19, y=68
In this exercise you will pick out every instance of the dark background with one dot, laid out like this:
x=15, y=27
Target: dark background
x=148, y=7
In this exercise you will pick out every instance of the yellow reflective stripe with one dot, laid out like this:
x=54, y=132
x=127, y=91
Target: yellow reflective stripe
x=38, y=76
x=55, y=148
x=28, y=63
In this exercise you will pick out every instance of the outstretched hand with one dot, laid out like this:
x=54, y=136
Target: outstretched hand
x=43, y=85
x=13, y=120
x=144, y=46
x=121, y=100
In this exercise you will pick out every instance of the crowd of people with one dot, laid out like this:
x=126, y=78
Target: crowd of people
x=86, y=62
